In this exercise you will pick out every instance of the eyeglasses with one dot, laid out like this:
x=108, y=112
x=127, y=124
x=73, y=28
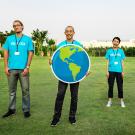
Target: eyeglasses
x=14, y=26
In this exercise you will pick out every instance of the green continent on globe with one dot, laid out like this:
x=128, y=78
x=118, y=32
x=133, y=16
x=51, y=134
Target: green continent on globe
x=67, y=51
x=65, y=54
x=75, y=69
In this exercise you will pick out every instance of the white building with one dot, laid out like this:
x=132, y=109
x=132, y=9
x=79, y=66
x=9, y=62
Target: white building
x=96, y=43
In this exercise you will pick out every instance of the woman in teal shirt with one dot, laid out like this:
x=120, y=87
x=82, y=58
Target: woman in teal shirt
x=115, y=67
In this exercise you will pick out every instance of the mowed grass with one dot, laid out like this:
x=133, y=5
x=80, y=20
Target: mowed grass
x=93, y=117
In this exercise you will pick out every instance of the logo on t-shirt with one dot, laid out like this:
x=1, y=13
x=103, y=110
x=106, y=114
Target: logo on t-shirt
x=112, y=54
x=21, y=43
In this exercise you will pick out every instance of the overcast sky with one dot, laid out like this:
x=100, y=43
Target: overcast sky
x=92, y=19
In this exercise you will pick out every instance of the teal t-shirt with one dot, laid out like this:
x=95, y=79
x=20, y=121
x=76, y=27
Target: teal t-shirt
x=65, y=43
x=18, y=61
x=115, y=58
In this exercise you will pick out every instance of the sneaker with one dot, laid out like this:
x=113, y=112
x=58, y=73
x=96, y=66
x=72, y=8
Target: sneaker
x=72, y=120
x=27, y=114
x=54, y=122
x=9, y=113
x=122, y=104
x=109, y=104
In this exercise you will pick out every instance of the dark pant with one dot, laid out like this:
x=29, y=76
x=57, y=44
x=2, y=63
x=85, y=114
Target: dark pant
x=119, y=80
x=16, y=75
x=60, y=98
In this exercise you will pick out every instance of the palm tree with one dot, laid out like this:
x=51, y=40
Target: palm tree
x=51, y=46
x=3, y=36
x=39, y=37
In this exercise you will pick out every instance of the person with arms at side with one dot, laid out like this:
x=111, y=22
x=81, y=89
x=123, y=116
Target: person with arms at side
x=18, y=53
x=115, y=69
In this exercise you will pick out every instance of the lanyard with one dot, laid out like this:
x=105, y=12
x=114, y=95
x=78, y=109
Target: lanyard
x=17, y=43
x=115, y=53
x=71, y=43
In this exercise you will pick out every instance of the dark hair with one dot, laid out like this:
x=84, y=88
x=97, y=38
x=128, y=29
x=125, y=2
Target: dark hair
x=117, y=39
x=69, y=26
x=18, y=22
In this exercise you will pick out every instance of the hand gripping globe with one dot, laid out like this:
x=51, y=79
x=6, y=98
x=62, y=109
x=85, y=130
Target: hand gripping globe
x=70, y=63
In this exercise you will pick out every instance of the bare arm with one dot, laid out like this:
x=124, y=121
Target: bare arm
x=30, y=58
x=107, y=72
x=6, y=54
x=50, y=60
x=122, y=68
x=26, y=70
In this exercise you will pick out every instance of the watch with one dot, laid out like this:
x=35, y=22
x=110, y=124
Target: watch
x=28, y=67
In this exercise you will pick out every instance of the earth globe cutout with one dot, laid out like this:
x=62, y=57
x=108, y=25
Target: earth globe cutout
x=70, y=63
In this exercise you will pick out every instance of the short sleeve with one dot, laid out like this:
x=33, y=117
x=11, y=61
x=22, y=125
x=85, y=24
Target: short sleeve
x=6, y=44
x=30, y=45
x=58, y=46
x=81, y=45
x=107, y=55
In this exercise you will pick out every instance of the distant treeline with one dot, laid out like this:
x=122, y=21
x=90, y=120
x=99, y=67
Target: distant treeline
x=94, y=51
x=101, y=51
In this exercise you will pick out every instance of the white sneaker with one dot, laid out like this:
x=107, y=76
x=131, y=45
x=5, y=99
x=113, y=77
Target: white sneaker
x=122, y=104
x=109, y=104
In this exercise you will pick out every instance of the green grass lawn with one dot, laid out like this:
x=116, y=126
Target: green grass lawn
x=93, y=117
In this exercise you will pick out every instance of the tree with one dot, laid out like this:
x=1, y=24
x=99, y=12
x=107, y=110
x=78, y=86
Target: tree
x=51, y=46
x=3, y=36
x=39, y=37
